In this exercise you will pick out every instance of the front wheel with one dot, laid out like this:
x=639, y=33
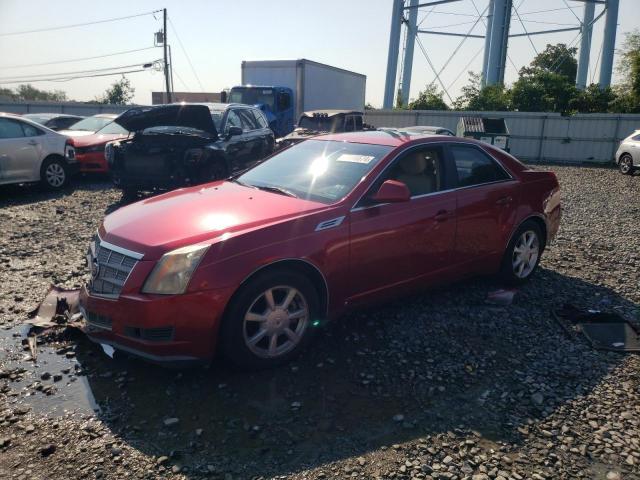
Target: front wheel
x=523, y=254
x=626, y=164
x=54, y=173
x=270, y=320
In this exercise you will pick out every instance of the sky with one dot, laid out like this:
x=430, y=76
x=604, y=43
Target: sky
x=210, y=39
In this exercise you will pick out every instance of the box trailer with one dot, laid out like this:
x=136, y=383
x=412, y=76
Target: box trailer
x=312, y=86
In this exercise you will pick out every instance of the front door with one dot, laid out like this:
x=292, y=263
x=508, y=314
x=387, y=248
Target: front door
x=19, y=154
x=487, y=197
x=398, y=245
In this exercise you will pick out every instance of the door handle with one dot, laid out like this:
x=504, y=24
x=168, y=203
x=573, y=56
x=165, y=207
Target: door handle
x=504, y=200
x=442, y=216
x=32, y=142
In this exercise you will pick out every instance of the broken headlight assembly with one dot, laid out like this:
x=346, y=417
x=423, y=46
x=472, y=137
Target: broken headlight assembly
x=194, y=155
x=173, y=271
x=109, y=153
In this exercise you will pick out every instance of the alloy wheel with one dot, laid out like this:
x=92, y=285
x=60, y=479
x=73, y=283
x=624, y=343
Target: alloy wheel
x=275, y=322
x=626, y=164
x=55, y=175
x=525, y=254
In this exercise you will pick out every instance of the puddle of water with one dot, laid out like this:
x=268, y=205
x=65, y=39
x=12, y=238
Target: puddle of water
x=72, y=391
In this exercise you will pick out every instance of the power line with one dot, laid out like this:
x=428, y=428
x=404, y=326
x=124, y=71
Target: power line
x=95, y=70
x=185, y=54
x=525, y=30
x=574, y=13
x=180, y=79
x=426, y=56
x=550, y=23
x=548, y=10
x=66, y=79
x=78, y=59
x=465, y=67
x=62, y=27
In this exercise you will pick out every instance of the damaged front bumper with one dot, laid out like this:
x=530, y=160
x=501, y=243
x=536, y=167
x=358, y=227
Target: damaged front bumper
x=165, y=329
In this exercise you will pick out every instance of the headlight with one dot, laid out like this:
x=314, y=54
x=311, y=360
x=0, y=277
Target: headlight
x=173, y=271
x=70, y=153
x=109, y=152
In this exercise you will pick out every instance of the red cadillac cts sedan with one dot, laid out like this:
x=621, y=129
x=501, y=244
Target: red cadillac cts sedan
x=252, y=265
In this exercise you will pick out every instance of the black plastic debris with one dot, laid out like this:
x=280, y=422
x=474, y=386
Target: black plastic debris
x=603, y=330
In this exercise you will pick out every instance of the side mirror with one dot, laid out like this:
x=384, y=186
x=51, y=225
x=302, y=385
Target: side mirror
x=234, y=131
x=392, y=191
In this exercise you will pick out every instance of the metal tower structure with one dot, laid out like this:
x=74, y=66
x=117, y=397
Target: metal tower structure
x=497, y=18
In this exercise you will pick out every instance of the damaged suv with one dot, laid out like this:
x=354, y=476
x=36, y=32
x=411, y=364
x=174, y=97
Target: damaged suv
x=186, y=144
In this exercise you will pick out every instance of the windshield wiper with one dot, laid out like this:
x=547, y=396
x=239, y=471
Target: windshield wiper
x=235, y=180
x=274, y=189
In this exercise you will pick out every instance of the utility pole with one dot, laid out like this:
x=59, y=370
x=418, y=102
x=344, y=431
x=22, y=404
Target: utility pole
x=166, y=63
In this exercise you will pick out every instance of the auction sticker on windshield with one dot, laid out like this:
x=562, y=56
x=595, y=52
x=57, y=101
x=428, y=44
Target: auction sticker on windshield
x=348, y=157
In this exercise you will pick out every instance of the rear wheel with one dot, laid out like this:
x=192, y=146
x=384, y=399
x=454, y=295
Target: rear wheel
x=626, y=164
x=270, y=320
x=54, y=173
x=523, y=254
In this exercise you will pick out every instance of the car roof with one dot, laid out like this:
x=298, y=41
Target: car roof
x=331, y=113
x=106, y=115
x=216, y=107
x=50, y=115
x=390, y=137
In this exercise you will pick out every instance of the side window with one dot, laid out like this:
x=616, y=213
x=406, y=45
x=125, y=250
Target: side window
x=636, y=138
x=262, y=121
x=233, y=120
x=65, y=122
x=284, y=101
x=349, y=124
x=10, y=129
x=247, y=119
x=358, y=120
x=475, y=167
x=420, y=170
x=31, y=131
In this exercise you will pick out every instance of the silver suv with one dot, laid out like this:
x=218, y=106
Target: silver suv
x=628, y=154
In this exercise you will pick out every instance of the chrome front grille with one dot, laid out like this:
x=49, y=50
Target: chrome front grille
x=110, y=267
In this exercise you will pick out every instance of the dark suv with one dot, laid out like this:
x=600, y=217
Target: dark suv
x=186, y=144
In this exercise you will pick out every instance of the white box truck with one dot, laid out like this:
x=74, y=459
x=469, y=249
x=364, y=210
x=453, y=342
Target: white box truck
x=284, y=89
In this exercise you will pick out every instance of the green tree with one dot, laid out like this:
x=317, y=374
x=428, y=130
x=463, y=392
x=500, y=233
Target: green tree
x=557, y=58
x=429, y=99
x=593, y=99
x=120, y=93
x=542, y=92
x=474, y=97
x=628, y=68
x=29, y=92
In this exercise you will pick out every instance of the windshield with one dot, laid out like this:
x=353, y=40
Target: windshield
x=253, y=96
x=323, y=171
x=217, y=119
x=91, y=124
x=111, y=128
x=323, y=124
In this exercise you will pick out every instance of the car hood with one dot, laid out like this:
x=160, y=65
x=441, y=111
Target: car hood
x=96, y=139
x=75, y=133
x=191, y=116
x=198, y=214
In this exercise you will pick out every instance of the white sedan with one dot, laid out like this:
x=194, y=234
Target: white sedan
x=30, y=152
x=628, y=154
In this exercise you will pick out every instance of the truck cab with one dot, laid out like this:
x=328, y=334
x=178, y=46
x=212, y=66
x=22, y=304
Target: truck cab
x=275, y=102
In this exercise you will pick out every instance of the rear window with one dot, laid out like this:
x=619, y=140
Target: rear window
x=475, y=167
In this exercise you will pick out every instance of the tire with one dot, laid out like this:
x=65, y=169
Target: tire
x=523, y=254
x=250, y=324
x=129, y=194
x=54, y=173
x=625, y=165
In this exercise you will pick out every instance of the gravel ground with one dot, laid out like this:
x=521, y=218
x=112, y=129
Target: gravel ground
x=441, y=385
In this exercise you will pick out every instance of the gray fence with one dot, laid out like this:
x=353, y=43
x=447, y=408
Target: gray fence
x=61, y=107
x=535, y=137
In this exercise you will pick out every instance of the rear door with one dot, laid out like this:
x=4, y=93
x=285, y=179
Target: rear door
x=237, y=147
x=398, y=245
x=19, y=153
x=251, y=134
x=487, y=197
